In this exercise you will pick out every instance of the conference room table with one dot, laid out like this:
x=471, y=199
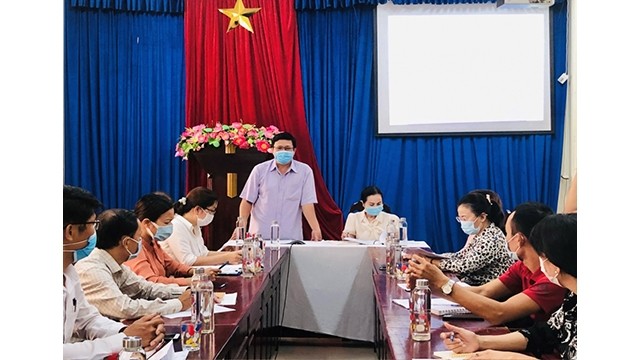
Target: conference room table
x=330, y=287
x=393, y=338
x=250, y=331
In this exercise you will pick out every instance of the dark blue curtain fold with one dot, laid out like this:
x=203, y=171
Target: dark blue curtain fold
x=124, y=103
x=161, y=6
x=421, y=177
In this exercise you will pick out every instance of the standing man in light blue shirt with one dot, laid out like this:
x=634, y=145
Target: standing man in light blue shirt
x=283, y=190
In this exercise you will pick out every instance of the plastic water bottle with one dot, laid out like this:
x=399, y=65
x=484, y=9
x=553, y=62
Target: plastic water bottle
x=132, y=349
x=259, y=252
x=420, y=311
x=248, y=258
x=397, y=258
x=207, y=302
x=195, y=293
x=240, y=229
x=275, y=235
x=390, y=247
x=403, y=235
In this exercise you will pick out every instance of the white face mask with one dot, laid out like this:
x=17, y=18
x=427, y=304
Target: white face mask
x=206, y=221
x=513, y=254
x=554, y=279
x=134, y=255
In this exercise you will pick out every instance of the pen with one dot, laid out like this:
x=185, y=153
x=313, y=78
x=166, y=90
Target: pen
x=223, y=265
x=452, y=336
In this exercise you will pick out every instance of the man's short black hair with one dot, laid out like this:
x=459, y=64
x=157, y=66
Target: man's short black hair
x=527, y=215
x=78, y=205
x=284, y=136
x=114, y=224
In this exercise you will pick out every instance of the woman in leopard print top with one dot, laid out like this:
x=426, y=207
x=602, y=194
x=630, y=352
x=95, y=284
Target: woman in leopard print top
x=485, y=256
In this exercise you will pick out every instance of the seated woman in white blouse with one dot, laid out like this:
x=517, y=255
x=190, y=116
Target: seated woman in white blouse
x=186, y=243
x=371, y=222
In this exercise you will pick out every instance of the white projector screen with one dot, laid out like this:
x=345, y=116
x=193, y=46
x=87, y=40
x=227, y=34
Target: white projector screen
x=470, y=69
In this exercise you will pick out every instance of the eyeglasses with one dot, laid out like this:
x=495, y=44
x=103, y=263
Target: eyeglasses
x=459, y=219
x=210, y=211
x=285, y=148
x=96, y=224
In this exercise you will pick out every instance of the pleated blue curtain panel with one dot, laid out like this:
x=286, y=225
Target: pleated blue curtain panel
x=422, y=177
x=124, y=103
x=160, y=6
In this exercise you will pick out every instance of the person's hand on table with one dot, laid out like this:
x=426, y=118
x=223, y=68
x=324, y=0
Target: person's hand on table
x=464, y=341
x=316, y=235
x=348, y=235
x=421, y=268
x=150, y=328
x=212, y=272
x=185, y=299
x=234, y=257
x=160, y=333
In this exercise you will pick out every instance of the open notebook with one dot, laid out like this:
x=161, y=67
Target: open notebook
x=440, y=306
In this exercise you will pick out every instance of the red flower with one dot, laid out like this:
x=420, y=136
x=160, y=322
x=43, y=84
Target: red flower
x=238, y=141
x=262, y=146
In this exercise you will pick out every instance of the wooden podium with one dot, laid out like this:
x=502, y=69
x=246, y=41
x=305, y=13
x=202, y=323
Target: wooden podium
x=228, y=168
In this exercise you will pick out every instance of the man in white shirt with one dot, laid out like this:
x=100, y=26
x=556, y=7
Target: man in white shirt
x=87, y=334
x=113, y=288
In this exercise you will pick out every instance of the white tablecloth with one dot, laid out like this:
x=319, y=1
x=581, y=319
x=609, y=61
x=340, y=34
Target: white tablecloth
x=328, y=288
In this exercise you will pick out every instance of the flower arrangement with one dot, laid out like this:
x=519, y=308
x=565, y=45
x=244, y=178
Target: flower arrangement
x=244, y=136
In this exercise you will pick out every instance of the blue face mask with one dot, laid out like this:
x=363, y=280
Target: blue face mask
x=283, y=157
x=85, y=251
x=163, y=232
x=468, y=227
x=374, y=210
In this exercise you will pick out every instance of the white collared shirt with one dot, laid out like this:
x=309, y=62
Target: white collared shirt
x=87, y=334
x=117, y=292
x=358, y=224
x=186, y=242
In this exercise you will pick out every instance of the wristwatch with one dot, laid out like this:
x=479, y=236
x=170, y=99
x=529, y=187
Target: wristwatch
x=448, y=287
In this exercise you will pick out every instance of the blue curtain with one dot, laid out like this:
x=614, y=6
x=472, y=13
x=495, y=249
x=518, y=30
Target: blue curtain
x=162, y=6
x=124, y=103
x=421, y=177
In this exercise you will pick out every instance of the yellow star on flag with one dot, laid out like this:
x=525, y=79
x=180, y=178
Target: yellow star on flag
x=239, y=15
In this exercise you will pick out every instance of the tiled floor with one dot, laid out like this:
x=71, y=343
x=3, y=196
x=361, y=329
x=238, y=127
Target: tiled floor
x=312, y=348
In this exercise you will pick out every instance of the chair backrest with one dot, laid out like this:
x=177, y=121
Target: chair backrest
x=357, y=206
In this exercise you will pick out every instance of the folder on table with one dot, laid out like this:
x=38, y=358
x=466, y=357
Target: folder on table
x=426, y=252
